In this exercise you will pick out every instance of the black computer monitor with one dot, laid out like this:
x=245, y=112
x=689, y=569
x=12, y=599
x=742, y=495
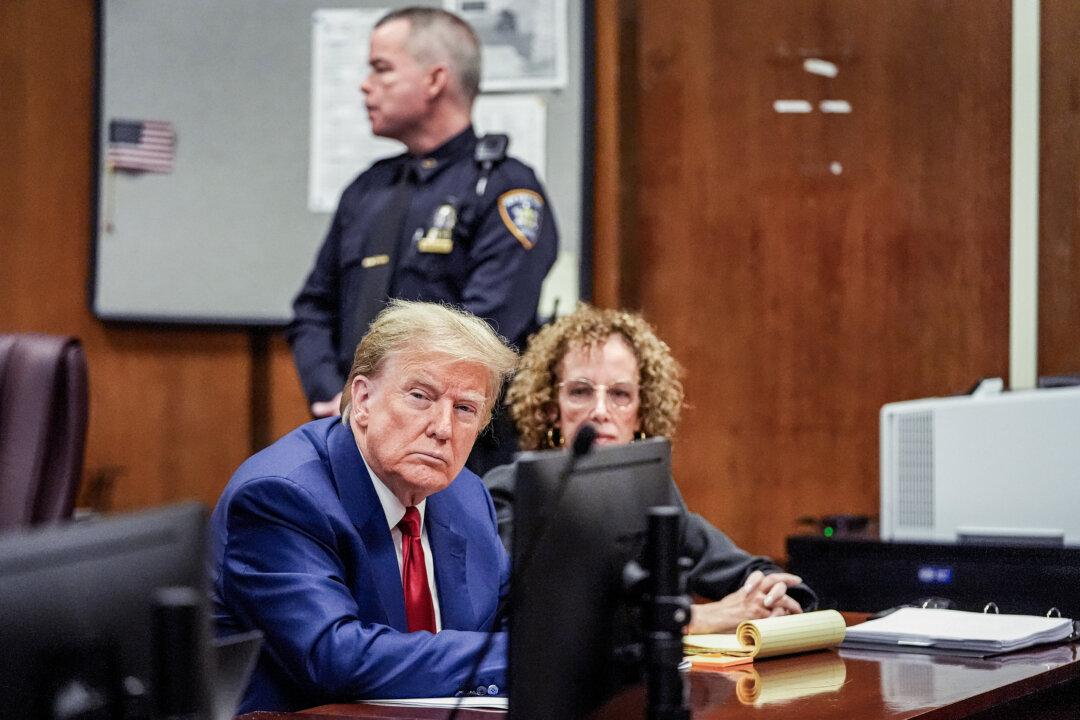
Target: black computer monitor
x=106, y=618
x=572, y=624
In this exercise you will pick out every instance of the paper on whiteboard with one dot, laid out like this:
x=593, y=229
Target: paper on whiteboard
x=342, y=145
x=524, y=43
x=523, y=118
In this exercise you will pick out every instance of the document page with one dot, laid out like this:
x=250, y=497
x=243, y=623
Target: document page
x=961, y=630
x=470, y=702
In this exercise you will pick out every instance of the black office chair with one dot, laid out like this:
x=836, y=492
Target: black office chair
x=43, y=416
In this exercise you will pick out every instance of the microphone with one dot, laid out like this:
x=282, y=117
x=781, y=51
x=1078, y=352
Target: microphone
x=579, y=448
x=583, y=443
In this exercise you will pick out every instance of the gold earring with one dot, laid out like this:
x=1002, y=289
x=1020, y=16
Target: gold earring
x=555, y=438
x=640, y=435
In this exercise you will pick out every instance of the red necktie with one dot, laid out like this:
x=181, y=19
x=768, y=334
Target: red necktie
x=419, y=611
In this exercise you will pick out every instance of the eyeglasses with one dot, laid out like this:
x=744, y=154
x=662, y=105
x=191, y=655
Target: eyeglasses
x=582, y=393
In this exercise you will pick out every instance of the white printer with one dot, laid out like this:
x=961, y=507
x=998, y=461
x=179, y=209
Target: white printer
x=988, y=467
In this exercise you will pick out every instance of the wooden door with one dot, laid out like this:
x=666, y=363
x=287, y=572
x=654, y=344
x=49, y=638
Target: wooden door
x=807, y=267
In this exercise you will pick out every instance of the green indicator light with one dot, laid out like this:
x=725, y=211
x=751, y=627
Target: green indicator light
x=828, y=531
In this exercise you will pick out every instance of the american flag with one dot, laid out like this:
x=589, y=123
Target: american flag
x=141, y=145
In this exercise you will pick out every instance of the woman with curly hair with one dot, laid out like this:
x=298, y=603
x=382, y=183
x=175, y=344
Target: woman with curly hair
x=608, y=368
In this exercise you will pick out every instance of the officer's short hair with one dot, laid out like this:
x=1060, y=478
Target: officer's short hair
x=423, y=328
x=436, y=35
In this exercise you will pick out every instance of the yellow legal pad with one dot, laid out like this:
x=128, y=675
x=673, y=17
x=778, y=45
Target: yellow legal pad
x=783, y=635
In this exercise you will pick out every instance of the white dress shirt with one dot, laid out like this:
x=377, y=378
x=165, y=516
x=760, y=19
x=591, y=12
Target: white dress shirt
x=395, y=511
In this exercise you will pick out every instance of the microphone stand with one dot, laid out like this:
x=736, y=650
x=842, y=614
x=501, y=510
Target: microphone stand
x=667, y=611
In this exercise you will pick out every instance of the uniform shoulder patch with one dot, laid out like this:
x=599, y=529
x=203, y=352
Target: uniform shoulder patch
x=522, y=211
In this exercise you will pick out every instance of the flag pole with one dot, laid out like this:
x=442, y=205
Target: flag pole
x=110, y=195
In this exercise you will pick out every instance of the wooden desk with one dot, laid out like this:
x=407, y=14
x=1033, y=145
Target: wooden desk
x=840, y=685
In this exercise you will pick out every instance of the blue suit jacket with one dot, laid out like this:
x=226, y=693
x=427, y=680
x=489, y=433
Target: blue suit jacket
x=301, y=550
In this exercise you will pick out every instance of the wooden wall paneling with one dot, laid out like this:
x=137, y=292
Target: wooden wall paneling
x=1059, y=190
x=168, y=407
x=45, y=120
x=616, y=269
x=800, y=294
x=288, y=406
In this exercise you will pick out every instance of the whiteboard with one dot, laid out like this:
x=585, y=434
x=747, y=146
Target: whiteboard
x=227, y=237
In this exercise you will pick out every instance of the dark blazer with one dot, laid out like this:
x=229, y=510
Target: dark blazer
x=301, y=550
x=720, y=567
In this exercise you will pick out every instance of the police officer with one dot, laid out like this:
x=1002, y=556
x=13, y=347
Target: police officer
x=450, y=220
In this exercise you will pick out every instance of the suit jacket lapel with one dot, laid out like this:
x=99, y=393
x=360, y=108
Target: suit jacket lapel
x=448, y=548
x=362, y=505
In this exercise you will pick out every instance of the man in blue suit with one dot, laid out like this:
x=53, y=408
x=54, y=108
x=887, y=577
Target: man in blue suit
x=359, y=546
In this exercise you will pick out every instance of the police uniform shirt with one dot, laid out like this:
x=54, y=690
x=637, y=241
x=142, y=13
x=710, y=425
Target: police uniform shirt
x=491, y=260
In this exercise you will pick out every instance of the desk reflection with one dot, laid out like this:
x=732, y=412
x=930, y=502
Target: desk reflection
x=911, y=681
x=770, y=682
x=764, y=683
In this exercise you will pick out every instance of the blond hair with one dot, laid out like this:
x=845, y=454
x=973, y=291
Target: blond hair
x=421, y=328
x=532, y=394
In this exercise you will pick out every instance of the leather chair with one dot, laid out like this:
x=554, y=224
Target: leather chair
x=43, y=415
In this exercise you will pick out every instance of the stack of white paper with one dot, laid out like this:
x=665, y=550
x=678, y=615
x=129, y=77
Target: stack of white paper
x=469, y=702
x=957, y=630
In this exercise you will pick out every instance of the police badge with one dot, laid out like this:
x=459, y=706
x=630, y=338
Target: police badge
x=440, y=234
x=522, y=212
